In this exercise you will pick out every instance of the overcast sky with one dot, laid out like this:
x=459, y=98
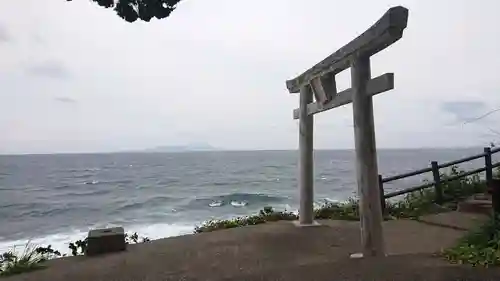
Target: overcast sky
x=74, y=77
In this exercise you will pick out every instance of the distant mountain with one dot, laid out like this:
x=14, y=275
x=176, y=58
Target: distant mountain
x=182, y=148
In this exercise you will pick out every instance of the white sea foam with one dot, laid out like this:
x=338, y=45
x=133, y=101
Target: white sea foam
x=239, y=203
x=91, y=182
x=329, y=200
x=161, y=230
x=61, y=241
x=58, y=241
x=216, y=204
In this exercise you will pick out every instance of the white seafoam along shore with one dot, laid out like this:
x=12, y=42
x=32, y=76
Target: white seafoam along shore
x=60, y=241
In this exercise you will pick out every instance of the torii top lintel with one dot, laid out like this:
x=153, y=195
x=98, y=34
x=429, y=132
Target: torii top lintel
x=387, y=30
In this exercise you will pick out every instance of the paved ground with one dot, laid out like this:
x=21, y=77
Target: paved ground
x=281, y=251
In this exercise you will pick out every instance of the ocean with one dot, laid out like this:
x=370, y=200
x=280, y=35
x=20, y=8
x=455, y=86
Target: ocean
x=55, y=199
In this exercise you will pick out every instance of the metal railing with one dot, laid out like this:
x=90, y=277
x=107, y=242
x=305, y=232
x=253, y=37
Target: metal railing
x=437, y=180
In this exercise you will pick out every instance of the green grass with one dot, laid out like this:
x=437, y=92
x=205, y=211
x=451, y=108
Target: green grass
x=265, y=215
x=411, y=205
x=418, y=203
x=479, y=247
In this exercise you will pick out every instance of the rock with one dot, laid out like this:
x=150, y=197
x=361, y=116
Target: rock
x=108, y=240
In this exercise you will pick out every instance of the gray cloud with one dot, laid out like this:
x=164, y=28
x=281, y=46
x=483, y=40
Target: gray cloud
x=4, y=35
x=50, y=69
x=37, y=38
x=65, y=100
x=465, y=111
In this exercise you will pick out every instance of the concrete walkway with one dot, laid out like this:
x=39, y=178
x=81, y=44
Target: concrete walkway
x=281, y=251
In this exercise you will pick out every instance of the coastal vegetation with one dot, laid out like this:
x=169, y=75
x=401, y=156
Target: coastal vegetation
x=30, y=259
x=480, y=247
x=411, y=205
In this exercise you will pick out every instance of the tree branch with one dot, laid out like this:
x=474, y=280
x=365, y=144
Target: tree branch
x=131, y=10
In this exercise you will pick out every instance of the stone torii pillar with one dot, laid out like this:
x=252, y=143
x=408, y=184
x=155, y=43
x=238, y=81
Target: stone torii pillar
x=319, y=82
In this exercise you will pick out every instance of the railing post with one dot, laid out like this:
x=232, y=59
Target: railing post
x=492, y=185
x=495, y=198
x=382, y=193
x=488, y=165
x=437, y=182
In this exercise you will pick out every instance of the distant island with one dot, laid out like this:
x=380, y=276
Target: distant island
x=182, y=148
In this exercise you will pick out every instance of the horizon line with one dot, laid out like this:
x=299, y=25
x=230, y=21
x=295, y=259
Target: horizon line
x=145, y=151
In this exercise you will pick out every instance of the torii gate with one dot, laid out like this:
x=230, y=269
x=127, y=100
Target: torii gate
x=319, y=81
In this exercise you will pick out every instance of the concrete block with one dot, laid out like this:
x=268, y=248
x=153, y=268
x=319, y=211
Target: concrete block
x=108, y=240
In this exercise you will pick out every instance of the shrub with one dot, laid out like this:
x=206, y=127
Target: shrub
x=339, y=211
x=265, y=215
x=344, y=211
x=47, y=253
x=30, y=259
x=479, y=247
x=135, y=239
x=456, y=190
x=78, y=247
x=412, y=205
x=418, y=203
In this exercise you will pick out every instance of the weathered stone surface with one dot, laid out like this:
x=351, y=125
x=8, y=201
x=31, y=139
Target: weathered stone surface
x=464, y=221
x=108, y=240
x=478, y=203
